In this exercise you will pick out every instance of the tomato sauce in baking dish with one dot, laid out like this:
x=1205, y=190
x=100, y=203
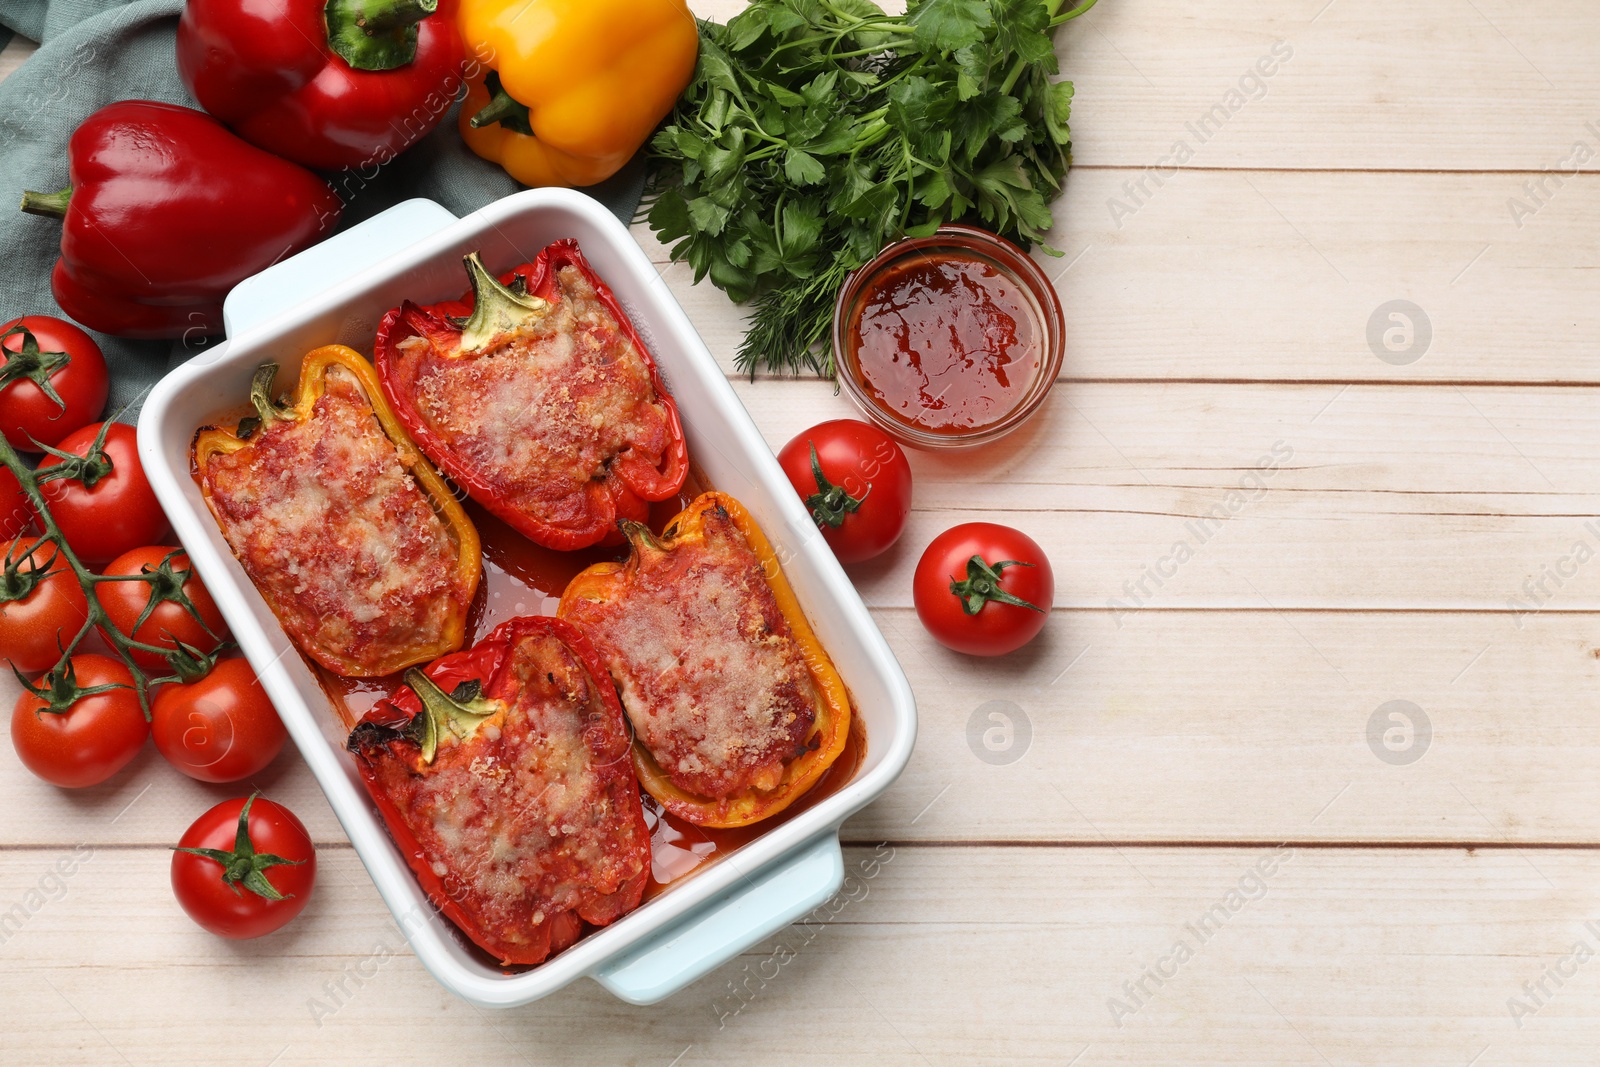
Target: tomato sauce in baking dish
x=535, y=784
x=521, y=578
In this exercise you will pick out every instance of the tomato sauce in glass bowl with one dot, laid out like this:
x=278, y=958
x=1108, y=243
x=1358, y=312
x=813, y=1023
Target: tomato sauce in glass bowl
x=948, y=341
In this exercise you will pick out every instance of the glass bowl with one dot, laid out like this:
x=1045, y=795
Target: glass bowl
x=1040, y=302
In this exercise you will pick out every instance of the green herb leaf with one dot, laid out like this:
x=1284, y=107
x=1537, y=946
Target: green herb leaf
x=1057, y=110
x=748, y=26
x=948, y=25
x=707, y=216
x=802, y=168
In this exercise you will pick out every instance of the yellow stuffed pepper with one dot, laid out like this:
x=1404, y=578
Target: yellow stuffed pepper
x=568, y=90
x=736, y=708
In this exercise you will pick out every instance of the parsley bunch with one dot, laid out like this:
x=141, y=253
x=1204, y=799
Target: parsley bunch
x=816, y=131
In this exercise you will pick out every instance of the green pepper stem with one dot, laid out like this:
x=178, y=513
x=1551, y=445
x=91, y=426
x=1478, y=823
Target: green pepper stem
x=502, y=108
x=496, y=310
x=50, y=205
x=382, y=16
x=375, y=34
x=267, y=409
x=640, y=537
x=458, y=714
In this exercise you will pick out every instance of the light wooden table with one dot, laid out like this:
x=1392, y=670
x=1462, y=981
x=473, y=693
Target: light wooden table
x=1209, y=768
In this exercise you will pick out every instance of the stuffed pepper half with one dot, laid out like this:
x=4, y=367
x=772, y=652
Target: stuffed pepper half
x=354, y=541
x=736, y=708
x=537, y=396
x=503, y=775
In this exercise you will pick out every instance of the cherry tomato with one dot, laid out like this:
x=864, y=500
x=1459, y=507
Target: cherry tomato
x=169, y=622
x=119, y=513
x=856, y=483
x=60, y=356
x=93, y=739
x=254, y=871
x=983, y=589
x=16, y=514
x=34, y=628
x=219, y=729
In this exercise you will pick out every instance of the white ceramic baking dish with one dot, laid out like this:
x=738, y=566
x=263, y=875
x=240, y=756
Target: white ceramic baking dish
x=337, y=292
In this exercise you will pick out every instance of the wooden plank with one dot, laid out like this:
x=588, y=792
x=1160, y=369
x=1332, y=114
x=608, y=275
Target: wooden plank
x=1368, y=85
x=1221, y=726
x=1290, y=277
x=1192, y=726
x=1468, y=491
x=1341, y=956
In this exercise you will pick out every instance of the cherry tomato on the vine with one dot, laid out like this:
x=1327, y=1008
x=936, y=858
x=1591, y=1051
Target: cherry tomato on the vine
x=42, y=606
x=856, y=483
x=983, y=589
x=16, y=514
x=116, y=514
x=48, y=360
x=92, y=739
x=244, y=868
x=219, y=729
x=169, y=620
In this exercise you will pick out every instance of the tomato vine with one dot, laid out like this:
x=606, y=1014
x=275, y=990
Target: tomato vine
x=22, y=572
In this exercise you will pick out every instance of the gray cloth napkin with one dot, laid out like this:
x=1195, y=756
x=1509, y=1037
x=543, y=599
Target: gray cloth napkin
x=95, y=52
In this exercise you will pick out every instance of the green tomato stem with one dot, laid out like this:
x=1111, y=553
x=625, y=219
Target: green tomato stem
x=243, y=865
x=982, y=586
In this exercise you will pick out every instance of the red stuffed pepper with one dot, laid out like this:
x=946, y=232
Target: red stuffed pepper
x=504, y=776
x=329, y=85
x=536, y=394
x=167, y=211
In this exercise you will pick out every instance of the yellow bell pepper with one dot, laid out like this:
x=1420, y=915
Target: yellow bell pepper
x=567, y=90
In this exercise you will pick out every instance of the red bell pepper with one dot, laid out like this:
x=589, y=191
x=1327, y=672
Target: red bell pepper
x=504, y=777
x=537, y=396
x=167, y=211
x=329, y=85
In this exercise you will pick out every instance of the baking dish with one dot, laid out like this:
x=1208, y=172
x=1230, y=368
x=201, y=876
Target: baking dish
x=337, y=292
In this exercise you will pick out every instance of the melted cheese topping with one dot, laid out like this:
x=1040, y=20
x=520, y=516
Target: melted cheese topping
x=537, y=813
x=545, y=412
x=335, y=532
x=709, y=672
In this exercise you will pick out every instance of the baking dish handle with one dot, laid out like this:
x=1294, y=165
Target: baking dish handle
x=344, y=255
x=745, y=915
